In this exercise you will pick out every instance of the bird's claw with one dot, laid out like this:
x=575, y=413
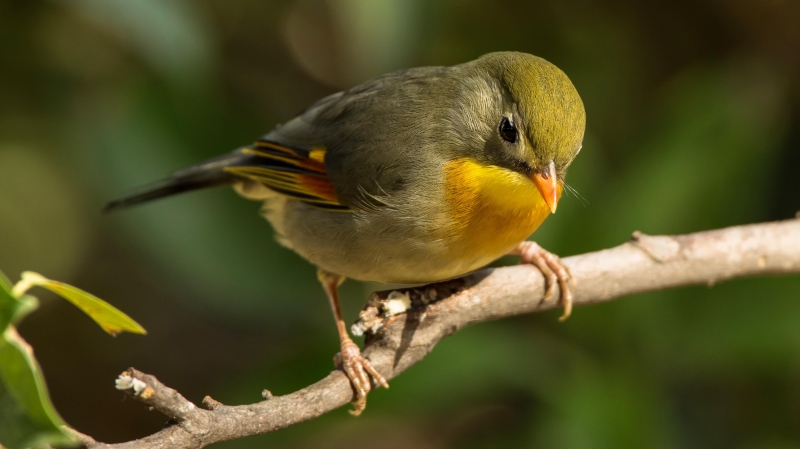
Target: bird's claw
x=358, y=370
x=553, y=270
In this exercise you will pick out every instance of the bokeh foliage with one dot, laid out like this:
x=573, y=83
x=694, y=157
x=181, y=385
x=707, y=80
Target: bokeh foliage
x=27, y=416
x=693, y=123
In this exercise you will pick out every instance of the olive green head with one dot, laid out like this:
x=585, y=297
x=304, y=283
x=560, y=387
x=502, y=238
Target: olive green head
x=531, y=112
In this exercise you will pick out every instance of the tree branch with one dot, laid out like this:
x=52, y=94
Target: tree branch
x=403, y=326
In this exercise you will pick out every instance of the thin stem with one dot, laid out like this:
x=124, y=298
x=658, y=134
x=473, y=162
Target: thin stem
x=22, y=287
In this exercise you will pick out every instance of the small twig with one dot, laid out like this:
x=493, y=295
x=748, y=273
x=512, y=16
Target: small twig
x=148, y=389
x=397, y=340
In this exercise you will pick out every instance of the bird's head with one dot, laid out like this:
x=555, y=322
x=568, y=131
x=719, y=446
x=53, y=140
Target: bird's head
x=527, y=116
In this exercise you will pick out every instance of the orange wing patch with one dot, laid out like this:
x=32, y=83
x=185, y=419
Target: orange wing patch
x=295, y=172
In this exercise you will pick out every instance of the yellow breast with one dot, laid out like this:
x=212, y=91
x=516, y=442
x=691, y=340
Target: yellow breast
x=491, y=209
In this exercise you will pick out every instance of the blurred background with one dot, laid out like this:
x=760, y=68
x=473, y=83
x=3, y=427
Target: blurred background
x=693, y=123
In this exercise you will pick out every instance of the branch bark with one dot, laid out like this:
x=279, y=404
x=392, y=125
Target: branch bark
x=403, y=326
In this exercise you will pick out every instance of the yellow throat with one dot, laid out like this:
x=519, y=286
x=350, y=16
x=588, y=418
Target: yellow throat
x=491, y=208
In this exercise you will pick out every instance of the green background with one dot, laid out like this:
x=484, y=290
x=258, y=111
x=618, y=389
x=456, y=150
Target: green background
x=693, y=113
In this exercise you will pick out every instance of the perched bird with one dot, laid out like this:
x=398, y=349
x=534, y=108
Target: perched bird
x=416, y=176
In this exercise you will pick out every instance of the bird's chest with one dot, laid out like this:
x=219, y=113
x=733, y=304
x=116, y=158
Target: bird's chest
x=490, y=210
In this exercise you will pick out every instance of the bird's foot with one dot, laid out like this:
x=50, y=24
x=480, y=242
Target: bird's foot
x=554, y=271
x=358, y=370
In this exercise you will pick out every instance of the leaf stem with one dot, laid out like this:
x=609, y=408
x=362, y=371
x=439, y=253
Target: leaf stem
x=21, y=287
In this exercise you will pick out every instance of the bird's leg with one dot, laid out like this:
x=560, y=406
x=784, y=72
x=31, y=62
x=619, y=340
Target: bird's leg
x=356, y=366
x=552, y=268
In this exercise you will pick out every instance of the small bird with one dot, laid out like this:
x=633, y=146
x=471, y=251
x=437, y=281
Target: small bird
x=417, y=176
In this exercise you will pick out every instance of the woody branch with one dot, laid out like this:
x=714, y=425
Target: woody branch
x=428, y=314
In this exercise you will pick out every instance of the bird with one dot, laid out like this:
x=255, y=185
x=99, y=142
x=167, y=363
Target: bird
x=413, y=177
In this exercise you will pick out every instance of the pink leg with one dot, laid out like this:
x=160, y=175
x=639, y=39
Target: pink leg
x=554, y=271
x=357, y=368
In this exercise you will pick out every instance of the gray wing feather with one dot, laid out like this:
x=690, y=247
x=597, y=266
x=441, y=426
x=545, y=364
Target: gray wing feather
x=377, y=135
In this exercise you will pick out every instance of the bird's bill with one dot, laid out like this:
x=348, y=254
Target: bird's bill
x=547, y=183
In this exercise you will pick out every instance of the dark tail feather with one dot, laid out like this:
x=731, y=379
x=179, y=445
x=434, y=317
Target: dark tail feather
x=207, y=174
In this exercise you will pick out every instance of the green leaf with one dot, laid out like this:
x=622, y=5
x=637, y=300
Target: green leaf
x=5, y=284
x=8, y=305
x=12, y=309
x=107, y=316
x=27, y=417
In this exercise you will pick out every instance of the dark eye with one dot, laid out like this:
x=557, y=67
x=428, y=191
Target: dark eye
x=507, y=130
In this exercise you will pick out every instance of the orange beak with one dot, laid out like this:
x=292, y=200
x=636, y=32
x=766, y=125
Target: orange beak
x=547, y=183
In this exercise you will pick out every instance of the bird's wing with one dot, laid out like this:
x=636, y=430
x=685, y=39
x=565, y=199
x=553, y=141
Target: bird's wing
x=379, y=136
x=296, y=172
x=346, y=150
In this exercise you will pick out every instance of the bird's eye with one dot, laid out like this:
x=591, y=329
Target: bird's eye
x=507, y=130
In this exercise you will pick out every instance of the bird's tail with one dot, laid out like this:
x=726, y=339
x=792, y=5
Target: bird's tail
x=210, y=173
